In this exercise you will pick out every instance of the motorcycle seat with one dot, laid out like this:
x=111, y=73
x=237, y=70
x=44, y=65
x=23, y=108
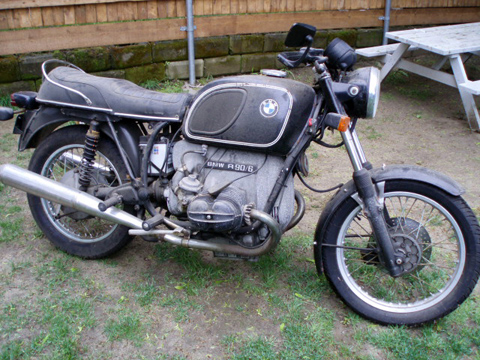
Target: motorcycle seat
x=120, y=97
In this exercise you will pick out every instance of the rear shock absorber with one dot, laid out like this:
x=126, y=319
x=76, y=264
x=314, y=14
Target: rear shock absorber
x=86, y=167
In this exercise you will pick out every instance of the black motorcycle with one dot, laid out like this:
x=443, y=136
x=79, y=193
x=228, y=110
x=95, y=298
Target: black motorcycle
x=215, y=171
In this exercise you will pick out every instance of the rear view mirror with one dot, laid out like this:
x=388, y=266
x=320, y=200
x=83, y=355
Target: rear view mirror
x=300, y=35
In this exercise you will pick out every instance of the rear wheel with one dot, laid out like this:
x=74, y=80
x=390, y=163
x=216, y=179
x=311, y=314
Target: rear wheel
x=58, y=157
x=438, y=237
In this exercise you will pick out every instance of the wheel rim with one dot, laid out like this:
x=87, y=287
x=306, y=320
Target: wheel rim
x=433, y=278
x=61, y=165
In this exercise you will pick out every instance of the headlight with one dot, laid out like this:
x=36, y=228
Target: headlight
x=364, y=103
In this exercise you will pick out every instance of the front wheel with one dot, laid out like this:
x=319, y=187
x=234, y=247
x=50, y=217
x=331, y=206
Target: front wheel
x=438, y=237
x=58, y=157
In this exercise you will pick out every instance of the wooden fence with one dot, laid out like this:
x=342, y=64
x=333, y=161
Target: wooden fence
x=44, y=25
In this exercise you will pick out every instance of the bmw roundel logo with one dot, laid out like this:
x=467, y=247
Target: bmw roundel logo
x=269, y=108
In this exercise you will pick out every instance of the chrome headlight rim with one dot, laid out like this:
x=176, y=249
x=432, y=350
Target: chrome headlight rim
x=373, y=96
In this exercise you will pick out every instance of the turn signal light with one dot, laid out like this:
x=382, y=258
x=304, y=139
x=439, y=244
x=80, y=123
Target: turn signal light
x=337, y=121
x=344, y=124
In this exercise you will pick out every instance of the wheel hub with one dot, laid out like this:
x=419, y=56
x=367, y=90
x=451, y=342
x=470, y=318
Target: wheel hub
x=407, y=251
x=411, y=243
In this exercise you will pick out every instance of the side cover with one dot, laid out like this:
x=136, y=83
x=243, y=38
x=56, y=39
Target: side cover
x=250, y=112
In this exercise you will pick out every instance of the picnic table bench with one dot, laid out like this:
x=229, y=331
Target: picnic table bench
x=454, y=43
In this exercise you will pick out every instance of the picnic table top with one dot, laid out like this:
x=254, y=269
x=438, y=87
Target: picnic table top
x=442, y=40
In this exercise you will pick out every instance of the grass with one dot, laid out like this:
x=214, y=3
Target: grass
x=157, y=301
x=168, y=86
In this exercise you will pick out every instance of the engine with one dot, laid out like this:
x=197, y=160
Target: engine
x=216, y=187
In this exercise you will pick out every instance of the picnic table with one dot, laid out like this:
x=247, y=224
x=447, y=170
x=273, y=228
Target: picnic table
x=455, y=43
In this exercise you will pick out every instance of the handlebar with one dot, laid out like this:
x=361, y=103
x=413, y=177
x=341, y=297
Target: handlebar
x=306, y=55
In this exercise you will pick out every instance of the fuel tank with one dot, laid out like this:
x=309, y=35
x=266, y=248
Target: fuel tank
x=252, y=112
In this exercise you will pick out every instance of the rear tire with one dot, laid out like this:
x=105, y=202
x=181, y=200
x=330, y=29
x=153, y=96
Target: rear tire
x=75, y=232
x=440, y=238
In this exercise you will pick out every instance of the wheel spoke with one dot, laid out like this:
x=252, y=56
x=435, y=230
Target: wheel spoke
x=432, y=254
x=75, y=224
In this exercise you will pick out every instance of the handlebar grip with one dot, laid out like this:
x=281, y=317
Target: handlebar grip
x=283, y=59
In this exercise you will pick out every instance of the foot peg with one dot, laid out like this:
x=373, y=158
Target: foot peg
x=112, y=201
x=152, y=222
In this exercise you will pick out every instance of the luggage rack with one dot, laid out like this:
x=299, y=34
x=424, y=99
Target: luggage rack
x=47, y=78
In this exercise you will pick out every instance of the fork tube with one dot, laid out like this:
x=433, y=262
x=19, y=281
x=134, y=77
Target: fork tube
x=352, y=150
x=359, y=147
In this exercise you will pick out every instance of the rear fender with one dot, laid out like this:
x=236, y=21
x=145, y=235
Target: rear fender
x=38, y=124
x=388, y=173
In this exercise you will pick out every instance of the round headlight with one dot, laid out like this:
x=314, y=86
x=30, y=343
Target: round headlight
x=373, y=92
x=363, y=103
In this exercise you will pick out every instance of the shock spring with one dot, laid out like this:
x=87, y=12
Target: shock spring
x=86, y=167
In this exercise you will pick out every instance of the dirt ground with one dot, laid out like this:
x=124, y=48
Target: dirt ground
x=419, y=122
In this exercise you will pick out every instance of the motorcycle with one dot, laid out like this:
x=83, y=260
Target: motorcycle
x=215, y=171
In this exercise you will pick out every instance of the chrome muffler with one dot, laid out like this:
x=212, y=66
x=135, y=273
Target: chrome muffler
x=43, y=187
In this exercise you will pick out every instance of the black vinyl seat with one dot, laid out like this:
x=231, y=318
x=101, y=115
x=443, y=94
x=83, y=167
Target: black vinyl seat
x=121, y=96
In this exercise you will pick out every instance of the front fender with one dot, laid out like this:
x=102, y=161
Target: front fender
x=387, y=173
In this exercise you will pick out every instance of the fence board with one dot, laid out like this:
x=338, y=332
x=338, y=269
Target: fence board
x=68, y=15
x=142, y=10
x=208, y=7
x=112, y=12
x=47, y=39
x=234, y=7
x=23, y=4
x=102, y=15
x=162, y=9
x=47, y=16
x=80, y=14
x=152, y=10
x=181, y=8
x=3, y=20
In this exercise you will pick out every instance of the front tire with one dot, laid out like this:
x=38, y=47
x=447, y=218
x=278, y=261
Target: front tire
x=58, y=157
x=440, y=238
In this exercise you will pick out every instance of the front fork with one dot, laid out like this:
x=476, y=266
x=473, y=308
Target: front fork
x=371, y=200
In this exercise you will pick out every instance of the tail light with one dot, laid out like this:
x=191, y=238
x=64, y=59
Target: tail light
x=12, y=100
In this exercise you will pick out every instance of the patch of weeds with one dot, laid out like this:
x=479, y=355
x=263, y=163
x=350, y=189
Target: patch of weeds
x=8, y=142
x=13, y=350
x=197, y=274
x=55, y=323
x=57, y=271
x=11, y=229
x=443, y=340
x=13, y=318
x=145, y=292
x=5, y=101
x=259, y=348
x=205, y=81
x=397, y=77
x=416, y=92
x=387, y=97
x=371, y=133
x=108, y=262
x=18, y=266
x=182, y=307
x=168, y=86
x=305, y=281
x=272, y=267
x=125, y=327
x=304, y=335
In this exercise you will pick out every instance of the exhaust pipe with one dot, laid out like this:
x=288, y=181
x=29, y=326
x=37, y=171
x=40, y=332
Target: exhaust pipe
x=43, y=187
x=219, y=245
